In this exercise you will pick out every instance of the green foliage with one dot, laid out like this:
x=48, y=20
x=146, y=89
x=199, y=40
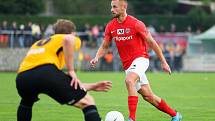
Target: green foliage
x=7, y=6
x=80, y=7
x=197, y=15
x=153, y=6
x=22, y=7
x=213, y=14
x=88, y=7
x=207, y=1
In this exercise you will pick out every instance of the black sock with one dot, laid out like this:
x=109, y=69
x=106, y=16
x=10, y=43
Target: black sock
x=91, y=113
x=24, y=112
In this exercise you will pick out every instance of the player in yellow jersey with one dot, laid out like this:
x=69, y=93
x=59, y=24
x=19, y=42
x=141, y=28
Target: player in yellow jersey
x=40, y=72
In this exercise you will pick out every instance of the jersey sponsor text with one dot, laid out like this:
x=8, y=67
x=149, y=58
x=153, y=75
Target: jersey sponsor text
x=123, y=38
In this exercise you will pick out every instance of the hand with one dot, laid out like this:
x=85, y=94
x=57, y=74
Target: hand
x=75, y=81
x=93, y=62
x=165, y=67
x=102, y=86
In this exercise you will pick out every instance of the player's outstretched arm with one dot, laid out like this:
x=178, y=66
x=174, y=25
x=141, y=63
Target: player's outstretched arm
x=145, y=34
x=101, y=86
x=68, y=49
x=102, y=49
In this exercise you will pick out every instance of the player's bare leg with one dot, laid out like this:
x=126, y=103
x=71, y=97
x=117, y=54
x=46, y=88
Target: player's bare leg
x=148, y=95
x=156, y=101
x=87, y=104
x=131, y=79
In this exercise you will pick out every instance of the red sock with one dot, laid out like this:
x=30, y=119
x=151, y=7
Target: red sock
x=132, y=106
x=165, y=108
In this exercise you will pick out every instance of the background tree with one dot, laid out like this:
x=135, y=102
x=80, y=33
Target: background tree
x=153, y=6
x=197, y=15
x=22, y=7
x=93, y=7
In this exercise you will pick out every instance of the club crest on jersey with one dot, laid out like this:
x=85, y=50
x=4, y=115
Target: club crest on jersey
x=127, y=30
x=120, y=31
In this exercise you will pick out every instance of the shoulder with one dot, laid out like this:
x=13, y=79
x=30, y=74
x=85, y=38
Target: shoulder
x=132, y=19
x=140, y=24
x=68, y=37
x=136, y=21
x=54, y=40
x=58, y=36
x=111, y=22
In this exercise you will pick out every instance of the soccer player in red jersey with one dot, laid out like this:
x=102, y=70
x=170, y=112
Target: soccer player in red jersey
x=132, y=39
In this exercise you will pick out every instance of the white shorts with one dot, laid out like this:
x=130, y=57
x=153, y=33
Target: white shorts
x=139, y=66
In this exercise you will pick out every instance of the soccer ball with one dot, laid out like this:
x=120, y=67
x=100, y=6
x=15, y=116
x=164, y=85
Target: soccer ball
x=114, y=116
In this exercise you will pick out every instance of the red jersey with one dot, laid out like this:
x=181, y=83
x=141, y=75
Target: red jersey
x=129, y=37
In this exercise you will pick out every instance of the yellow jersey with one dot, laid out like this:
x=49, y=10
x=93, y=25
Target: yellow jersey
x=47, y=51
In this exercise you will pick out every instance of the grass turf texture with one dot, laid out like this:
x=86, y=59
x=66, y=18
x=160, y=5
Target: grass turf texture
x=190, y=93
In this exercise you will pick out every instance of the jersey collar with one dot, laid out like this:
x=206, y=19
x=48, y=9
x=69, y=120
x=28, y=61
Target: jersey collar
x=123, y=21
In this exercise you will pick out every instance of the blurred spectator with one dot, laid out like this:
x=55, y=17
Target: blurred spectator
x=107, y=62
x=13, y=36
x=117, y=65
x=109, y=57
x=169, y=53
x=42, y=30
x=87, y=57
x=151, y=29
x=21, y=36
x=4, y=37
x=189, y=29
x=80, y=60
x=172, y=28
x=95, y=33
x=178, y=56
x=162, y=29
x=100, y=36
x=36, y=32
x=28, y=36
x=87, y=33
x=198, y=31
x=152, y=58
x=4, y=25
x=49, y=30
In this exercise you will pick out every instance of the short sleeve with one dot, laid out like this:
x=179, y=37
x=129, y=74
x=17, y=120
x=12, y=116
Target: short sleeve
x=142, y=30
x=107, y=35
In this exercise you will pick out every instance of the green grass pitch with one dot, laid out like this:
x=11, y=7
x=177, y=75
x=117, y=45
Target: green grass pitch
x=193, y=94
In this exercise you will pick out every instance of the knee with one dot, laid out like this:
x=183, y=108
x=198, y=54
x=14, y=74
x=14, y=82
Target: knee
x=129, y=82
x=86, y=101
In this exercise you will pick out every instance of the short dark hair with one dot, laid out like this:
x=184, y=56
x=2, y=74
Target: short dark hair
x=63, y=26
